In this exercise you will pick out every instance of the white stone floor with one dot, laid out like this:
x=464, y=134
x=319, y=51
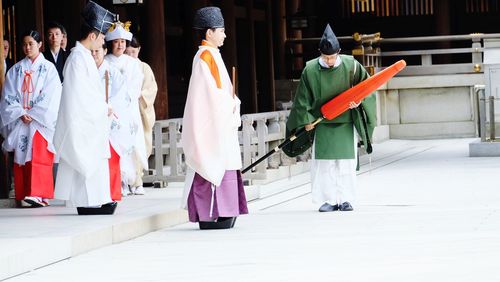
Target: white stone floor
x=425, y=212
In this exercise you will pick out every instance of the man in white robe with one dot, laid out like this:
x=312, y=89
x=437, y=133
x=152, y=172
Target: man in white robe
x=213, y=191
x=82, y=131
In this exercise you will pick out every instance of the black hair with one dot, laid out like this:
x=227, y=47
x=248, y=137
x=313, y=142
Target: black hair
x=202, y=33
x=54, y=24
x=109, y=43
x=134, y=43
x=105, y=46
x=85, y=30
x=63, y=30
x=33, y=33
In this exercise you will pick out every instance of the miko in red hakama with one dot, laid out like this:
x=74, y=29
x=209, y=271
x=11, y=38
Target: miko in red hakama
x=35, y=178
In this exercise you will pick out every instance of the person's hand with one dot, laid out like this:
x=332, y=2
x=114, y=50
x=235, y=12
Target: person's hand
x=110, y=110
x=353, y=105
x=309, y=127
x=26, y=119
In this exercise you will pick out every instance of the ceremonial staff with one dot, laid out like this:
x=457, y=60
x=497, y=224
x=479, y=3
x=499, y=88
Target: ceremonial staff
x=106, y=78
x=340, y=103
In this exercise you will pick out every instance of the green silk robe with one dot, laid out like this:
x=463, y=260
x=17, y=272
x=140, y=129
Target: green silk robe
x=334, y=138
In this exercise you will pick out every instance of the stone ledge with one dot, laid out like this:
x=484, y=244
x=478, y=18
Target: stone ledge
x=484, y=149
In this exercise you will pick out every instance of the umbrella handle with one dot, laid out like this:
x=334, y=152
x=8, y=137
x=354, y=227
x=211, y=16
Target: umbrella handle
x=278, y=148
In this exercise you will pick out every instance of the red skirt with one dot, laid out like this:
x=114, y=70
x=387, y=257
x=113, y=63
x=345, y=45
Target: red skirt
x=115, y=179
x=35, y=178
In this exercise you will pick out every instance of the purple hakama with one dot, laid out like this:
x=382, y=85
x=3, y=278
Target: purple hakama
x=228, y=200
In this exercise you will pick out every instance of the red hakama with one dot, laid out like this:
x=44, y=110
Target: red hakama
x=115, y=179
x=35, y=178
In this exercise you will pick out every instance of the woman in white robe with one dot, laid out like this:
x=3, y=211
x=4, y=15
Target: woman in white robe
x=29, y=109
x=121, y=139
x=130, y=68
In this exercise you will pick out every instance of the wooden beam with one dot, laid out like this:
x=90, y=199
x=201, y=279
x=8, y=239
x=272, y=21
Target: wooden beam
x=253, y=67
x=270, y=51
x=229, y=48
x=2, y=78
x=281, y=24
x=155, y=49
x=39, y=19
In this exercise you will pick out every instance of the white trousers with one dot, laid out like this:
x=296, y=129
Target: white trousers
x=333, y=181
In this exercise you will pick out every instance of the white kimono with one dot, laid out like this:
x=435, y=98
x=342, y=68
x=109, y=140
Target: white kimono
x=82, y=134
x=31, y=88
x=131, y=69
x=211, y=120
x=121, y=137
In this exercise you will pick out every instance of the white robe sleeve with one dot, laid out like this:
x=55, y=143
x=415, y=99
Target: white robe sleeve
x=11, y=103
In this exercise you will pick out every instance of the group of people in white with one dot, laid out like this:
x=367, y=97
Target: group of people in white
x=29, y=112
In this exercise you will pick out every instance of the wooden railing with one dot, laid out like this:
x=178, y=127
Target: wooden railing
x=258, y=133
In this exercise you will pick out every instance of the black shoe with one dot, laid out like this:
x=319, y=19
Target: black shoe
x=108, y=208
x=232, y=219
x=346, y=206
x=221, y=223
x=326, y=207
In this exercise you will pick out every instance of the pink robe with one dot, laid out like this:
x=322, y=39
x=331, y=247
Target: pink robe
x=210, y=140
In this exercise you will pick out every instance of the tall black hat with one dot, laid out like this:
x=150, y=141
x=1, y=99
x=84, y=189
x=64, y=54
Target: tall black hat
x=208, y=17
x=97, y=17
x=329, y=43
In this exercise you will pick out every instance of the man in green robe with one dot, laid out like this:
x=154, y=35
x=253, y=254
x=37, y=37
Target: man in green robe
x=335, y=145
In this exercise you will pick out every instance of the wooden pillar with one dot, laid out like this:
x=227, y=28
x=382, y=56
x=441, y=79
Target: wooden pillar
x=155, y=47
x=298, y=62
x=253, y=67
x=4, y=183
x=442, y=17
x=442, y=24
x=280, y=16
x=2, y=78
x=39, y=20
x=269, y=18
x=229, y=48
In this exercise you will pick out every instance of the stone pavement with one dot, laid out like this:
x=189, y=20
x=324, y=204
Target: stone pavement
x=425, y=212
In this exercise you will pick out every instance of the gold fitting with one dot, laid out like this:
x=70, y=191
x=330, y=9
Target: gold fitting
x=359, y=51
x=477, y=68
x=356, y=36
x=370, y=70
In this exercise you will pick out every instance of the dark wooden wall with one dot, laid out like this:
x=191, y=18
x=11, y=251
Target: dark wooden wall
x=256, y=34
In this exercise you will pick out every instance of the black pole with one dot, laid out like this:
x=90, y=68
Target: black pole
x=278, y=148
